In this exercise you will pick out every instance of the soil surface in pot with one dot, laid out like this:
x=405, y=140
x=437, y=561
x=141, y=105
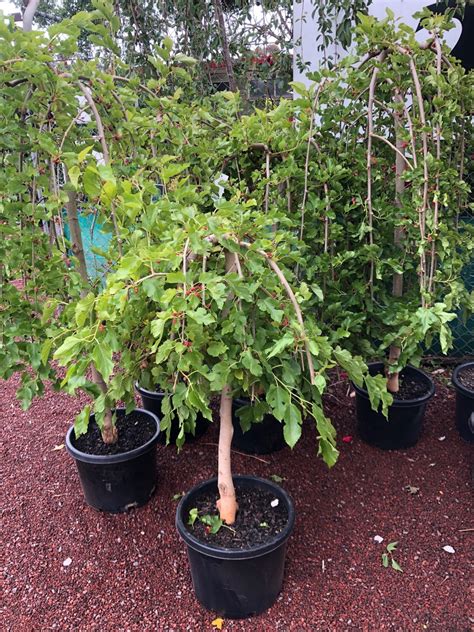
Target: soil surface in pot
x=411, y=387
x=58, y=554
x=134, y=430
x=466, y=377
x=257, y=521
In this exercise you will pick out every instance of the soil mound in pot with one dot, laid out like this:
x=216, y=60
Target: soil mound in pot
x=466, y=377
x=134, y=430
x=257, y=521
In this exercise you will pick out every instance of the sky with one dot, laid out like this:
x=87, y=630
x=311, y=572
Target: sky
x=7, y=7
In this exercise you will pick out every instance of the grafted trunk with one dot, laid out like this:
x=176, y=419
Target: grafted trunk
x=392, y=378
x=76, y=237
x=109, y=431
x=227, y=503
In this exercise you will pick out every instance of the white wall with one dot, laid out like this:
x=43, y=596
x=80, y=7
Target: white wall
x=306, y=29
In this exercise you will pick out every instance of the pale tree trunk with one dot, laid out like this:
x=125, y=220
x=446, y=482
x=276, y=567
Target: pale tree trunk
x=227, y=503
x=225, y=44
x=76, y=237
x=29, y=14
x=397, y=288
x=109, y=431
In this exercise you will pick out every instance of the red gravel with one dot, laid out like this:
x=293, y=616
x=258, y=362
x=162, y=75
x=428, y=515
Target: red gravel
x=130, y=572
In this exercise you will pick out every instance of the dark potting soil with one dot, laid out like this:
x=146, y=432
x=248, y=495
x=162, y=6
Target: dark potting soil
x=466, y=377
x=411, y=387
x=257, y=521
x=134, y=430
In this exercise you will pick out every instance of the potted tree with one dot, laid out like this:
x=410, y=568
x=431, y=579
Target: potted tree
x=208, y=321
x=389, y=242
x=77, y=146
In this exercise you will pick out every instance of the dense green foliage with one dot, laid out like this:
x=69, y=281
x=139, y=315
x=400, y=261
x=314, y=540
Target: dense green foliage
x=312, y=263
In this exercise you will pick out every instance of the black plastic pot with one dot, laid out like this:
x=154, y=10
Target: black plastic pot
x=116, y=483
x=262, y=437
x=464, y=405
x=405, y=417
x=236, y=583
x=152, y=401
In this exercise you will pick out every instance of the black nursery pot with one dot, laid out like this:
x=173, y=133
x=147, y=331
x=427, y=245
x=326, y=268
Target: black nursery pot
x=262, y=437
x=236, y=583
x=405, y=417
x=118, y=482
x=464, y=405
x=152, y=401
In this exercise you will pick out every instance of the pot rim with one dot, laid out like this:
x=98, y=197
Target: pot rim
x=402, y=403
x=141, y=389
x=457, y=384
x=228, y=553
x=109, y=459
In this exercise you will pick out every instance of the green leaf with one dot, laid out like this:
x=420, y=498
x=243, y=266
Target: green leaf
x=250, y=363
x=201, y=316
x=326, y=436
x=292, y=427
x=92, y=182
x=102, y=358
x=181, y=58
x=299, y=88
x=45, y=350
x=279, y=399
x=81, y=423
x=385, y=560
x=283, y=343
x=74, y=174
x=277, y=479
x=48, y=310
x=170, y=171
x=376, y=386
x=216, y=349
x=81, y=156
x=392, y=546
x=396, y=566
x=193, y=515
x=212, y=521
x=157, y=327
x=68, y=350
x=83, y=309
x=320, y=383
x=353, y=365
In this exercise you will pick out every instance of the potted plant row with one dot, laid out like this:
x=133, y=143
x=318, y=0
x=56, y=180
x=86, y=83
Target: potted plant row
x=312, y=252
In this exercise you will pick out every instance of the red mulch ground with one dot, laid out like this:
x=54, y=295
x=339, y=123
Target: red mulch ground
x=130, y=572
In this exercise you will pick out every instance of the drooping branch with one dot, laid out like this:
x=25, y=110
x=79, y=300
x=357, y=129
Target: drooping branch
x=395, y=149
x=225, y=44
x=370, y=122
x=437, y=132
x=397, y=284
x=105, y=151
x=98, y=121
x=424, y=206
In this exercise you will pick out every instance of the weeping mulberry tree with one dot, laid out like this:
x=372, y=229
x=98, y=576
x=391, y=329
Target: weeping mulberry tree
x=383, y=188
